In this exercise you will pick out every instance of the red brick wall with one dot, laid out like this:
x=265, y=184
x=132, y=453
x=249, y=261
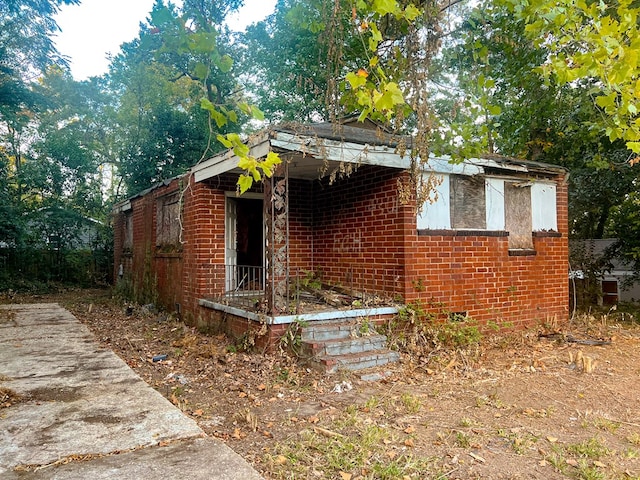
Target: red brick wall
x=301, y=239
x=474, y=273
x=358, y=231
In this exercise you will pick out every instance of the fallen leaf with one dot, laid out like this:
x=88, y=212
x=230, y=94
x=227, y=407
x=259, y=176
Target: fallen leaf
x=599, y=464
x=198, y=412
x=345, y=476
x=410, y=429
x=409, y=442
x=552, y=439
x=280, y=460
x=313, y=419
x=261, y=387
x=242, y=394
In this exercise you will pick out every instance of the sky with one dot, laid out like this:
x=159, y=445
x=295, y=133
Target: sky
x=95, y=28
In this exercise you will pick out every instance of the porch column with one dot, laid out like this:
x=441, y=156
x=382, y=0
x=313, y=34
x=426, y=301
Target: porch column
x=276, y=205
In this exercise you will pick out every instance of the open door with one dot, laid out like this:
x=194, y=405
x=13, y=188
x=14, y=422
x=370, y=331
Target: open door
x=244, y=244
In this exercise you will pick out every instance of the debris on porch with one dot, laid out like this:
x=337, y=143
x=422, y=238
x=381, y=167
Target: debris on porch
x=307, y=295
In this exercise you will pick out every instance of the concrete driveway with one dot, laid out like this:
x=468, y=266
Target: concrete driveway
x=83, y=413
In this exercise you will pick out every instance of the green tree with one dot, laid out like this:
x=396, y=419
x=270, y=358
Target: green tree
x=597, y=41
x=26, y=49
x=286, y=60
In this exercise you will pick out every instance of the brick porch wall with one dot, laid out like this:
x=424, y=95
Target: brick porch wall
x=358, y=231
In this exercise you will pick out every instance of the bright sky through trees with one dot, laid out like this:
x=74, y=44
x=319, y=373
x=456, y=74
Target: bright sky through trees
x=96, y=28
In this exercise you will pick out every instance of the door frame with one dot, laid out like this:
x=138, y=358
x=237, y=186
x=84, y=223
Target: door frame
x=230, y=232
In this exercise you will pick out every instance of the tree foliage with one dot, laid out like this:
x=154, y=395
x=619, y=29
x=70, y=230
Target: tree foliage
x=598, y=41
x=546, y=80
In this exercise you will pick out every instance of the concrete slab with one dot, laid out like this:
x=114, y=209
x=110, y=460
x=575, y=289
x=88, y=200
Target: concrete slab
x=79, y=399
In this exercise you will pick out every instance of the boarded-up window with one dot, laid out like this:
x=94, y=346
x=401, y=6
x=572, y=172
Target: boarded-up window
x=435, y=213
x=168, y=220
x=543, y=207
x=128, y=231
x=468, y=206
x=494, y=192
x=517, y=198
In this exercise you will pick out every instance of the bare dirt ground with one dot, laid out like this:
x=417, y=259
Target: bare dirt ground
x=515, y=407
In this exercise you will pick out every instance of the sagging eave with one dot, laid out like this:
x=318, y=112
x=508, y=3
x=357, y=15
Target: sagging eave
x=312, y=151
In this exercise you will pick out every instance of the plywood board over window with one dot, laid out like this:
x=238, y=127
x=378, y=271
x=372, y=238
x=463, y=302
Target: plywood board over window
x=127, y=243
x=168, y=220
x=517, y=197
x=468, y=205
x=435, y=212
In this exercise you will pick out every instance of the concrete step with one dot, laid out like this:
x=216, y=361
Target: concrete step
x=345, y=346
x=333, y=345
x=330, y=330
x=356, y=361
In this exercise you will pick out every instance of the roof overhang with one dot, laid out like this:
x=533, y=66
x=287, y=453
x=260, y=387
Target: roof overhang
x=315, y=151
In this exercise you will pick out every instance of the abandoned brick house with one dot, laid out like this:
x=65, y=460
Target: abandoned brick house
x=491, y=244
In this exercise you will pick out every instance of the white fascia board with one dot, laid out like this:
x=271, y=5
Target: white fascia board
x=227, y=161
x=470, y=166
x=123, y=207
x=337, y=151
x=444, y=165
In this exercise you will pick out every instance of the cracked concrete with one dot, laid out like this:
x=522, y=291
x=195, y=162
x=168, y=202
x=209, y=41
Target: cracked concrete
x=80, y=400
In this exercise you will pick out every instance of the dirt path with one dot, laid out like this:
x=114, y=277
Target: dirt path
x=518, y=407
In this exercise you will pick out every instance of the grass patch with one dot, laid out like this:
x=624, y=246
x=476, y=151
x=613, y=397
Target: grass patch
x=591, y=448
x=606, y=424
x=351, y=445
x=411, y=403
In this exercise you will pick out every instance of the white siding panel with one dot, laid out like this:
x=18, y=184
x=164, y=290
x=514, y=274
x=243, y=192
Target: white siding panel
x=495, y=203
x=437, y=215
x=543, y=207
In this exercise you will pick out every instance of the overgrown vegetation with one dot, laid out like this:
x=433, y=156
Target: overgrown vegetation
x=418, y=327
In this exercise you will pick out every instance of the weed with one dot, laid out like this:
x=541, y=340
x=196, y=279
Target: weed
x=355, y=447
x=521, y=442
x=589, y=472
x=366, y=327
x=591, y=448
x=630, y=453
x=462, y=440
x=372, y=403
x=412, y=403
x=291, y=341
x=466, y=422
x=606, y=424
x=634, y=439
x=419, y=285
x=557, y=460
x=459, y=334
x=178, y=390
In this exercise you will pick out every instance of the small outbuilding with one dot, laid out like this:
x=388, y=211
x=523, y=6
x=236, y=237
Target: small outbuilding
x=336, y=234
x=598, y=276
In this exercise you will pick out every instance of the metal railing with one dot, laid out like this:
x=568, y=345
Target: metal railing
x=239, y=285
